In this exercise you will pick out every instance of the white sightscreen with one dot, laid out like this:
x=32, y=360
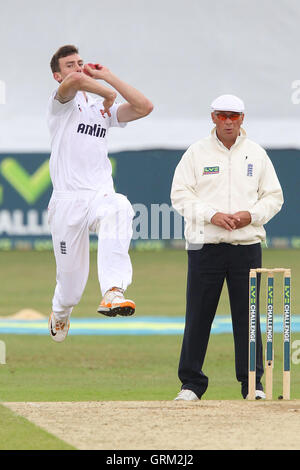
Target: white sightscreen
x=181, y=54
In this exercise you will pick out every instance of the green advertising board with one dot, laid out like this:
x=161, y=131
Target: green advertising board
x=145, y=177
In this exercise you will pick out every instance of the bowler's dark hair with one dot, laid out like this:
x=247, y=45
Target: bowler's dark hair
x=63, y=51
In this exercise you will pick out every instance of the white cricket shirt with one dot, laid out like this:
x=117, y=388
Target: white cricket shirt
x=78, y=132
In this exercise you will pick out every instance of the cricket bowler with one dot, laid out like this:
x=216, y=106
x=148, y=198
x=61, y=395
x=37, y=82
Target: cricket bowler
x=84, y=199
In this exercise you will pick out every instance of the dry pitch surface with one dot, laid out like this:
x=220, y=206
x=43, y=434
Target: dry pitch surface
x=206, y=424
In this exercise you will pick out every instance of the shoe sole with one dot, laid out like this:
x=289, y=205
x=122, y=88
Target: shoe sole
x=123, y=311
x=183, y=399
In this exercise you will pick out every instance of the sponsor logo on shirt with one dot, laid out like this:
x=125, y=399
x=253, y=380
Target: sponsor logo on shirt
x=96, y=130
x=211, y=170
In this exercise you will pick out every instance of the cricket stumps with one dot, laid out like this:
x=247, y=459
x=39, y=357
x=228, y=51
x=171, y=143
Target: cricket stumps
x=269, y=351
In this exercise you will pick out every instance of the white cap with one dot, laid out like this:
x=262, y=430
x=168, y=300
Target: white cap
x=228, y=103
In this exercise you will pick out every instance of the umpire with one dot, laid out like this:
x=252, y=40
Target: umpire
x=226, y=188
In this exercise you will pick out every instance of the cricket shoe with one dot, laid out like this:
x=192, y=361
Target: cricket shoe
x=186, y=395
x=259, y=395
x=58, y=329
x=114, y=303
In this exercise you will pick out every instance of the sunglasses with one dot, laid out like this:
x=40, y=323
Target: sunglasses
x=231, y=116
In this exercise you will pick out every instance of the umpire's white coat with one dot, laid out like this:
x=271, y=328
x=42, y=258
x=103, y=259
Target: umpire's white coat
x=210, y=178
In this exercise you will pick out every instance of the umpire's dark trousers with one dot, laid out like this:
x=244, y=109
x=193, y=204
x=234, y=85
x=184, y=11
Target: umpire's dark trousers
x=207, y=270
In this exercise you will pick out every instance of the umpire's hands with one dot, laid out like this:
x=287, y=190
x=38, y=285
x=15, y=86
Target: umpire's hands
x=243, y=217
x=231, y=221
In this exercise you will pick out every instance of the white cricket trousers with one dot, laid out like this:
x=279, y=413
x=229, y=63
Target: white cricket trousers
x=72, y=216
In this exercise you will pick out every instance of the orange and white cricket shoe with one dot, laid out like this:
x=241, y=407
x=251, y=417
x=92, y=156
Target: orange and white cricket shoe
x=58, y=329
x=114, y=303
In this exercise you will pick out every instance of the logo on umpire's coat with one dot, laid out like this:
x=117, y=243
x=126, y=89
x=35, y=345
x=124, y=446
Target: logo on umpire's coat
x=250, y=169
x=211, y=170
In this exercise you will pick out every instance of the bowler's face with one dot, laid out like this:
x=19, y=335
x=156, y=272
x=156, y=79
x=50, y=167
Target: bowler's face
x=67, y=65
x=228, y=124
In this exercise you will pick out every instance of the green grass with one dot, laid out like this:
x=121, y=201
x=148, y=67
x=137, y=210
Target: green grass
x=113, y=367
x=20, y=434
x=158, y=287
x=100, y=368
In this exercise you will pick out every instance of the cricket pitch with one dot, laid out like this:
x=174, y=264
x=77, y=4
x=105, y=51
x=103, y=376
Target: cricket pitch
x=161, y=425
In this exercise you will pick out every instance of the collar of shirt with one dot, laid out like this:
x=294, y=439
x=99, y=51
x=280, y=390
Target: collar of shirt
x=240, y=137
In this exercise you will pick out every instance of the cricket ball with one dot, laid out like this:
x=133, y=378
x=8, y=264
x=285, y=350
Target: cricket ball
x=92, y=66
